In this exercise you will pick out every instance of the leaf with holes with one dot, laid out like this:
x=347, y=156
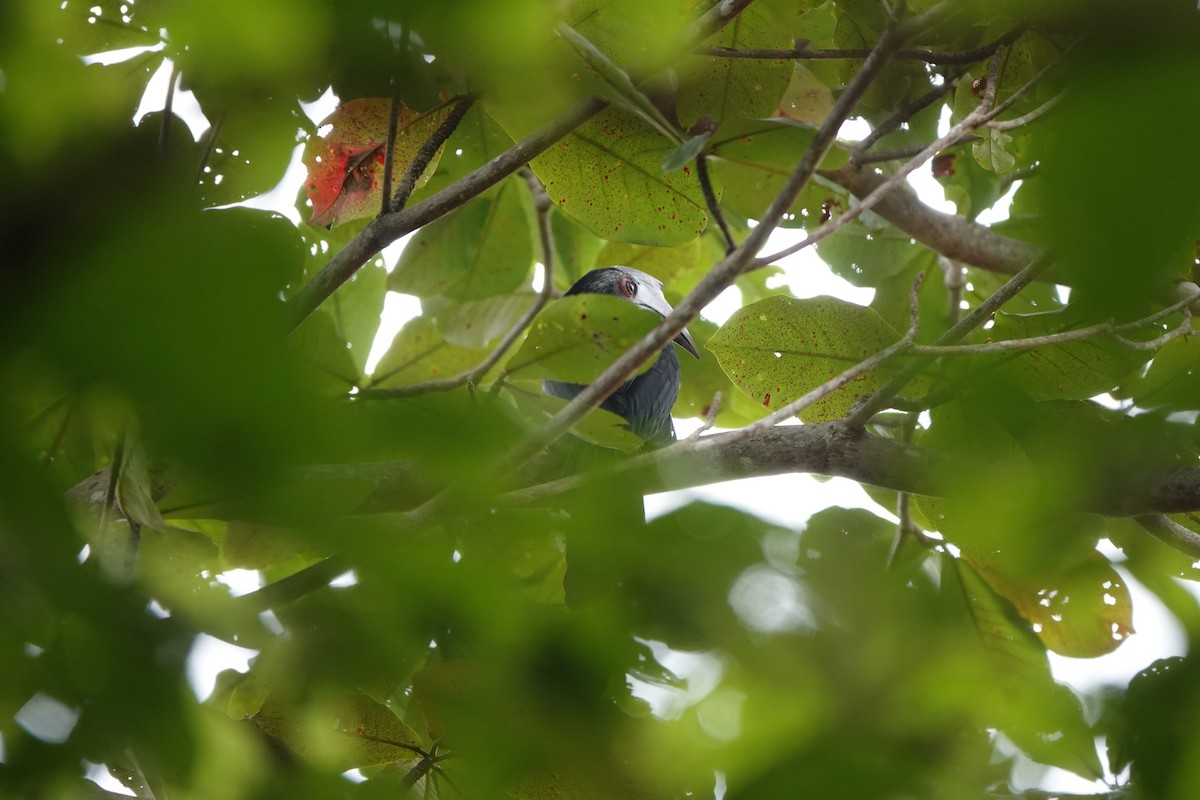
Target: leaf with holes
x=1083, y=612
x=1043, y=717
x=777, y=349
x=576, y=338
x=608, y=175
x=345, y=164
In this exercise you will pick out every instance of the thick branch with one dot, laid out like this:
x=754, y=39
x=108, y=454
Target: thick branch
x=827, y=448
x=950, y=235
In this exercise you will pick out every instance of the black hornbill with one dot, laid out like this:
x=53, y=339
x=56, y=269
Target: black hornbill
x=644, y=401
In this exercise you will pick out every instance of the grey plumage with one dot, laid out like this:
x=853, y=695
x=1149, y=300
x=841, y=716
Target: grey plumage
x=644, y=401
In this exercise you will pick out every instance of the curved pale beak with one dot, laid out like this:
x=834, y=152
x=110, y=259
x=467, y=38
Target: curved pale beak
x=684, y=340
x=652, y=298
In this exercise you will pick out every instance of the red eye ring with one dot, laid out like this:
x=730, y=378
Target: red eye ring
x=626, y=286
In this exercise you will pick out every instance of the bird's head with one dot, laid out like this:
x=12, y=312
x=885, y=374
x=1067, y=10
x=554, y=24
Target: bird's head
x=637, y=287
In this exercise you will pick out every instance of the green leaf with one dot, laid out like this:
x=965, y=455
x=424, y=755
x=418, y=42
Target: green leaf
x=1082, y=612
x=1043, y=717
x=630, y=32
x=732, y=88
x=598, y=427
x=106, y=25
x=482, y=249
x=867, y=257
x=664, y=263
x=419, y=353
x=353, y=732
x=338, y=337
x=992, y=151
x=477, y=324
x=807, y=98
x=608, y=175
x=618, y=80
x=319, y=342
x=575, y=248
x=686, y=153
x=777, y=349
x=1072, y=371
x=1173, y=378
x=755, y=157
x=576, y=338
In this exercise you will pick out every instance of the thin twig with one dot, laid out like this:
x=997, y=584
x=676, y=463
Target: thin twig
x=906, y=112
x=973, y=120
x=210, y=144
x=1171, y=533
x=859, y=157
x=387, y=229
x=389, y=154
x=710, y=199
x=911, y=54
x=1034, y=81
x=1025, y=119
x=427, y=152
x=1107, y=329
x=710, y=419
x=979, y=315
x=542, y=204
x=954, y=278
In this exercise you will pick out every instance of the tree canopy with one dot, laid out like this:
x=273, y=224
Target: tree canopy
x=183, y=393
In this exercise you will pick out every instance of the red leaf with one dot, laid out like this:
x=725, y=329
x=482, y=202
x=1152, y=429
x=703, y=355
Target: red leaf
x=345, y=162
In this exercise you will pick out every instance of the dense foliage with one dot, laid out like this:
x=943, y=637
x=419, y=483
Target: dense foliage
x=183, y=393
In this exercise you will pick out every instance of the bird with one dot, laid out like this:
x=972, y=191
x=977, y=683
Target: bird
x=644, y=401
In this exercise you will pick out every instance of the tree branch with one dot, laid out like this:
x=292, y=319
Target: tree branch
x=824, y=448
x=721, y=275
x=913, y=54
x=542, y=206
x=951, y=235
x=979, y=315
x=387, y=228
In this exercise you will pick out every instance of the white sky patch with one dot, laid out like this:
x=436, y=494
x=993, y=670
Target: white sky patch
x=806, y=275
x=322, y=107
x=211, y=656
x=723, y=305
x=184, y=104
x=99, y=775
x=241, y=581
x=111, y=57
x=854, y=129
x=700, y=672
x=282, y=198
x=397, y=310
x=43, y=717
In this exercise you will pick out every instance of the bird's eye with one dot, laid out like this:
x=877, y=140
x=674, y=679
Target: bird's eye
x=626, y=286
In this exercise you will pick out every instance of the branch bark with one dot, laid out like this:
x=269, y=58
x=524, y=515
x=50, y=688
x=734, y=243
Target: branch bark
x=950, y=235
x=827, y=448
